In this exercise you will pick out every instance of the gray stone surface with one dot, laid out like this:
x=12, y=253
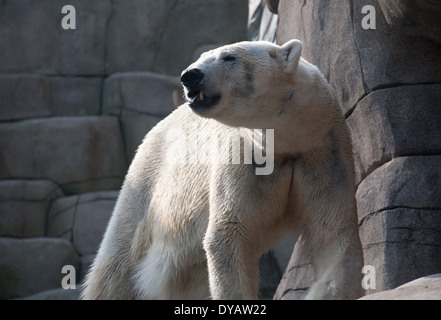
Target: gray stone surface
x=82, y=219
x=424, y=288
x=27, y=96
x=55, y=294
x=407, y=182
x=400, y=15
x=402, y=244
x=37, y=43
x=16, y=102
x=135, y=127
x=140, y=100
x=29, y=266
x=143, y=93
x=388, y=82
x=24, y=205
x=399, y=208
x=91, y=219
x=143, y=35
x=297, y=277
x=85, y=264
x=81, y=154
x=61, y=217
x=357, y=61
x=76, y=96
x=395, y=122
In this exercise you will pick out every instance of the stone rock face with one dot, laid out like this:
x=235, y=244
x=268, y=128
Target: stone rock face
x=297, y=277
x=43, y=46
x=387, y=124
x=387, y=81
x=33, y=96
x=16, y=104
x=85, y=155
x=141, y=100
x=400, y=211
x=91, y=219
x=24, y=205
x=33, y=265
x=400, y=14
x=82, y=219
x=137, y=26
x=425, y=288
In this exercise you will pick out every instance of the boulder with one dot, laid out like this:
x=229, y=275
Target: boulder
x=395, y=122
x=49, y=48
x=141, y=100
x=61, y=217
x=91, y=218
x=24, y=205
x=144, y=35
x=399, y=209
x=297, y=277
x=135, y=127
x=387, y=82
x=142, y=93
x=357, y=61
x=424, y=288
x=29, y=266
x=400, y=15
x=24, y=96
x=82, y=219
x=81, y=154
x=76, y=96
x=27, y=96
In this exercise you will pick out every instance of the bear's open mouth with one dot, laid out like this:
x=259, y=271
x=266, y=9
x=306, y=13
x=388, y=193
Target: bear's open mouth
x=199, y=99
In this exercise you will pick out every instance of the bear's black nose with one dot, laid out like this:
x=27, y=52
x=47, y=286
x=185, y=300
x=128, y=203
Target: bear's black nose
x=191, y=78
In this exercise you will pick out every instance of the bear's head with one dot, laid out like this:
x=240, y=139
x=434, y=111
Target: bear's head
x=246, y=84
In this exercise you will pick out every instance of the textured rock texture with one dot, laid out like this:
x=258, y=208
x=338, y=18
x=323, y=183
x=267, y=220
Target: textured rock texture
x=74, y=106
x=425, y=288
x=23, y=207
x=388, y=82
x=86, y=153
x=32, y=265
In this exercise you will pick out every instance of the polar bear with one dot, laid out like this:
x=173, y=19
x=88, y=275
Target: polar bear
x=186, y=226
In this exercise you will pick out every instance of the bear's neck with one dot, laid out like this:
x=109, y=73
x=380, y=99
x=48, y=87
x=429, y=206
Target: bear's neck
x=310, y=112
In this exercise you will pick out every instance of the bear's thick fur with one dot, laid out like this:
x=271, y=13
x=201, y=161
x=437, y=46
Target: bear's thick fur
x=188, y=224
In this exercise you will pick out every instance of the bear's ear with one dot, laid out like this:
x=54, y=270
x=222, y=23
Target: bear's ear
x=290, y=53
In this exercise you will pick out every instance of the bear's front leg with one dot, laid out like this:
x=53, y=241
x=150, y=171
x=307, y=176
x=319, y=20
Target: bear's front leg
x=233, y=270
x=328, y=211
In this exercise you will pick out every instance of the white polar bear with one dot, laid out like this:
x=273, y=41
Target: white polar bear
x=195, y=229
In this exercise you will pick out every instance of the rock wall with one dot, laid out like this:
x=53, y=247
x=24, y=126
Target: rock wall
x=388, y=81
x=74, y=106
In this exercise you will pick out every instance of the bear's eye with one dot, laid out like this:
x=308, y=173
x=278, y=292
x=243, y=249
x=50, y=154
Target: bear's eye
x=229, y=57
